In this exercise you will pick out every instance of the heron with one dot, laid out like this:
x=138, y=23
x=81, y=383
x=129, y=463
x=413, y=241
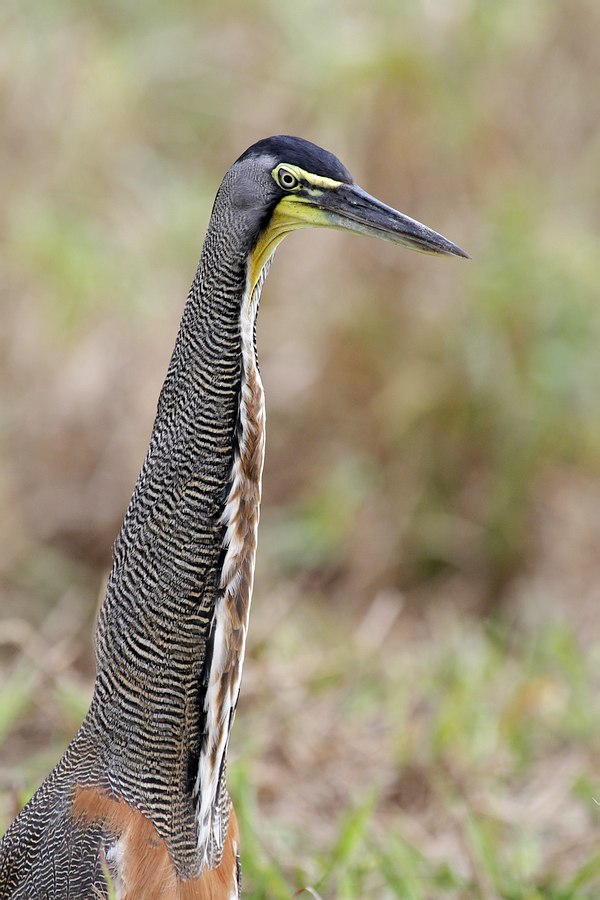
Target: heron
x=138, y=806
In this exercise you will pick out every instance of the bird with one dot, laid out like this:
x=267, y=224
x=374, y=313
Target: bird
x=138, y=806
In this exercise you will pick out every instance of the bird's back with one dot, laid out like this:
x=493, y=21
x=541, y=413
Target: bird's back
x=75, y=831
x=48, y=852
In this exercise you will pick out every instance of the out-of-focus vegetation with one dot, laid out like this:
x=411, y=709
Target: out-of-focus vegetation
x=433, y=465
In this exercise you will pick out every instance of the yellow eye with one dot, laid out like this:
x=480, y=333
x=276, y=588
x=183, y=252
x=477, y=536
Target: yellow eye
x=287, y=180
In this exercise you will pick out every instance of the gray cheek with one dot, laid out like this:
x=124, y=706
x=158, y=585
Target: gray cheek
x=247, y=195
x=252, y=189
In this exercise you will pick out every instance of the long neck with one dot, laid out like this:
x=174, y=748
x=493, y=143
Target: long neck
x=171, y=632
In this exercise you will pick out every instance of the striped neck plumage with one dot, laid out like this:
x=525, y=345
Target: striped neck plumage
x=230, y=621
x=171, y=634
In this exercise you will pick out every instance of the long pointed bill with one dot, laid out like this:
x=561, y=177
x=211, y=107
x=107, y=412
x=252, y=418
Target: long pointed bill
x=334, y=204
x=350, y=208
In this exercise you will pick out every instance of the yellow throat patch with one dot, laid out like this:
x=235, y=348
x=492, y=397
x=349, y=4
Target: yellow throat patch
x=293, y=211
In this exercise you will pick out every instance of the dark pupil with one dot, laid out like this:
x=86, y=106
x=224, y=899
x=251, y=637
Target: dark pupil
x=287, y=180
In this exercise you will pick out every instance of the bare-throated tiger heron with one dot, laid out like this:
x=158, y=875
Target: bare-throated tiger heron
x=140, y=792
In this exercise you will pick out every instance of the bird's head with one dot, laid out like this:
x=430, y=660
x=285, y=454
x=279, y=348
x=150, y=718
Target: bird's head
x=283, y=183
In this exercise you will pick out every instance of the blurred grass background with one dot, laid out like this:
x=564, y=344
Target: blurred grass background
x=420, y=708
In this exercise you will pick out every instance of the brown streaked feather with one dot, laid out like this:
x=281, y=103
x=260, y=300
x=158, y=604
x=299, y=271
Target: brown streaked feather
x=230, y=621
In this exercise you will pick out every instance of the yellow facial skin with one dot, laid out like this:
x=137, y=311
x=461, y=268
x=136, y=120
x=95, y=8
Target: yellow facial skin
x=293, y=211
x=316, y=181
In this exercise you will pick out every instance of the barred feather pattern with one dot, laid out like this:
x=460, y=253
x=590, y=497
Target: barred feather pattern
x=45, y=854
x=171, y=632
